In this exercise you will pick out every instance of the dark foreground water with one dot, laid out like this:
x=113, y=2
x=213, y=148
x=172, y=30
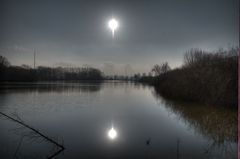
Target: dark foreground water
x=112, y=120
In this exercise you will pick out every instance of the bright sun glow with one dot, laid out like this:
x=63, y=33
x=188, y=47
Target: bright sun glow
x=113, y=25
x=112, y=133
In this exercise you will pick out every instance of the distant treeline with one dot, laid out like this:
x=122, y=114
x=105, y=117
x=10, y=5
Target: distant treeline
x=206, y=77
x=24, y=73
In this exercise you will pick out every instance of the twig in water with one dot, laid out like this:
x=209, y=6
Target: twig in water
x=37, y=132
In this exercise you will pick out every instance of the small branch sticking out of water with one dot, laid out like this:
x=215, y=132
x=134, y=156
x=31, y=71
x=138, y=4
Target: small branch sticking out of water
x=37, y=132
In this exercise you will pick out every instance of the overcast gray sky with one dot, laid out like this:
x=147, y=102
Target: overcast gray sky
x=151, y=31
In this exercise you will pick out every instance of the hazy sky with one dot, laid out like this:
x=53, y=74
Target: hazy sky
x=150, y=31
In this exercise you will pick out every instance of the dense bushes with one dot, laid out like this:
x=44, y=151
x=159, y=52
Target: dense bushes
x=208, y=77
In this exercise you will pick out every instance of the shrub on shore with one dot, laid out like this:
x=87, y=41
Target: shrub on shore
x=207, y=77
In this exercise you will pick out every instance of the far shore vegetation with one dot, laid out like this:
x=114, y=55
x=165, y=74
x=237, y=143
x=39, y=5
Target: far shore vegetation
x=204, y=77
x=25, y=73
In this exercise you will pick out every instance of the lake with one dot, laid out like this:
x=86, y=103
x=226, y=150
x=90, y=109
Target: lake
x=111, y=120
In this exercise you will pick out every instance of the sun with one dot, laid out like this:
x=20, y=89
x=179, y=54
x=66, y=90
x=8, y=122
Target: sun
x=113, y=25
x=112, y=133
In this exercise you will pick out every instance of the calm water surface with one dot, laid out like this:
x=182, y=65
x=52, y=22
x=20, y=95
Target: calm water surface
x=81, y=117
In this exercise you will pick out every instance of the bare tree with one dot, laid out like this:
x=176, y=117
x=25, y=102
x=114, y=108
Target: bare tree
x=156, y=70
x=161, y=69
x=4, y=62
x=165, y=67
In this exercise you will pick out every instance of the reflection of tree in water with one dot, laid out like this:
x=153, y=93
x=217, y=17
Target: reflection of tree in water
x=218, y=124
x=53, y=87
